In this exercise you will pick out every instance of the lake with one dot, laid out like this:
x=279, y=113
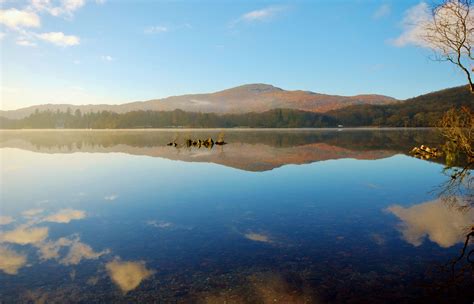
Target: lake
x=274, y=216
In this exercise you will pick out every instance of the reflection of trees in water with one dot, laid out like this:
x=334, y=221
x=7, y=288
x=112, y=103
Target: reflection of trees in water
x=465, y=252
x=455, y=276
x=458, y=193
x=398, y=140
x=457, y=127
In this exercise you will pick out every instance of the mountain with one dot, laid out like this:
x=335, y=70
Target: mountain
x=421, y=111
x=243, y=99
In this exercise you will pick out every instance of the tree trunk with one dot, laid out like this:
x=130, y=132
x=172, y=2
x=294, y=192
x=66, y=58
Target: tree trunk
x=468, y=74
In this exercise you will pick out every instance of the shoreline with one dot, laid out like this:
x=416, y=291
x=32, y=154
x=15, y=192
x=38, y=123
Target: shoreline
x=227, y=129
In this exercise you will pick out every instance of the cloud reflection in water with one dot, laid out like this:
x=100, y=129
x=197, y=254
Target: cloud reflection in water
x=5, y=220
x=24, y=235
x=65, y=216
x=128, y=274
x=443, y=225
x=78, y=251
x=11, y=261
x=28, y=234
x=258, y=237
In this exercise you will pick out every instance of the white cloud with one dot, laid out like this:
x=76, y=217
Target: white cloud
x=443, y=225
x=2, y=35
x=382, y=11
x=111, y=197
x=128, y=275
x=65, y=216
x=19, y=20
x=156, y=29
x=260, y=15
x=63, y=7
x=23, y=235
x=16, y=19
x=419, y=28
x=5, y=220
x=11, y=261
x=72, y=5
x=107, y=58
x=58, y=38
x=413, y=25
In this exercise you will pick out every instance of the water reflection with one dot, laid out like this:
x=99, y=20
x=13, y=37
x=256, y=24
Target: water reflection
x=265, y=287
x=5, y=220
x=125, y=228
x=78, y=251
x=441, y=224
x=24, y=235
x=11, y=261
x=67, y=251
x=159, y=224
x=32, y=213
x=128, y=274
x=65, y=216
x=247, y=150
x=258, y=237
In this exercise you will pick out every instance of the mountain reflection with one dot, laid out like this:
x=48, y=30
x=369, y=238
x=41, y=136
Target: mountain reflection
x=247, y=149
x=441, y=224
x=113, y=227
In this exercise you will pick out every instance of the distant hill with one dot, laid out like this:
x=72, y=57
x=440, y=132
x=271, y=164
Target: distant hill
x=421, y=111
x=243, y=99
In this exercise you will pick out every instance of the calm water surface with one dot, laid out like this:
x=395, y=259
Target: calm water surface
x=273, y=216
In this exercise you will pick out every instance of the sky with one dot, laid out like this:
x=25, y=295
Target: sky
x=117, y=51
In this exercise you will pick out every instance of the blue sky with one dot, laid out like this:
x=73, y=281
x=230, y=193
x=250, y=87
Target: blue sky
x=96, y=51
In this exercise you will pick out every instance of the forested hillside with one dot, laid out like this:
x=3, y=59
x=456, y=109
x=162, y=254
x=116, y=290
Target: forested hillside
x=421, y=111
x=279, y=118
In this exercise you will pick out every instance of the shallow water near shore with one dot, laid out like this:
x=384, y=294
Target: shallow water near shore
x=288, y=216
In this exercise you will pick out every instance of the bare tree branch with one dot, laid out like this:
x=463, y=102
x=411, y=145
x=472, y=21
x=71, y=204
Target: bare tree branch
x=450, y=33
